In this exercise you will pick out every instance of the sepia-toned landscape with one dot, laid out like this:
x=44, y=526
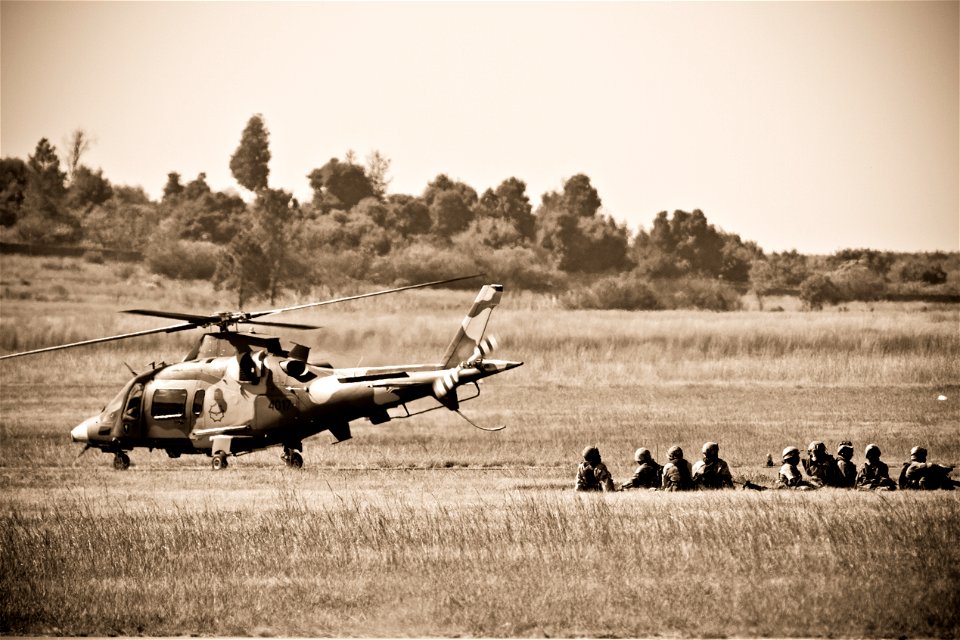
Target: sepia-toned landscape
x=427, y=526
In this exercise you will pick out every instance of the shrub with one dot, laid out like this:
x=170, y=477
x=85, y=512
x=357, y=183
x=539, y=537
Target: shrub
x=857, y=281
x=626, y=292
x=919, y=271
x=521, y=268
x=183, y=259
x=698, y=293
x=423, y=262
x=818, y=290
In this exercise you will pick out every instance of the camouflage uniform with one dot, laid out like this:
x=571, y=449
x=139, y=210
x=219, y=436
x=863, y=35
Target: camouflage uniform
x=789, y=476
x=677, y=474
x=874, y=474
x=847, y=469
x=920, y=474
x=711, y=472
x=592, y=474
x=647, y=474
x=821, y=466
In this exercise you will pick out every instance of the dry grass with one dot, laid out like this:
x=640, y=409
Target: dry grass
x=406, y=553
x=428, y=527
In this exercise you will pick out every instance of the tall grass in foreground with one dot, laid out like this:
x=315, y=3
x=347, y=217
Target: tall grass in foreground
x=517, y=563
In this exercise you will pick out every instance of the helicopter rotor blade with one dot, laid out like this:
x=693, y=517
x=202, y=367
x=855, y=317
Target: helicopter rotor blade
x=258, y=314
x=287, y=325
x=195, y=320
x=122, y=336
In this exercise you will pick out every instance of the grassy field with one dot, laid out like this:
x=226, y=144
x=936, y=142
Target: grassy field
x=429, y=527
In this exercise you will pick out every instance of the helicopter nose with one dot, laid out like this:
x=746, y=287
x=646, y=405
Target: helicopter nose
x=79, y=432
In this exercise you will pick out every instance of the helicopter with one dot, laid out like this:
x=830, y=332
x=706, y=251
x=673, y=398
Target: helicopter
x=237, y=392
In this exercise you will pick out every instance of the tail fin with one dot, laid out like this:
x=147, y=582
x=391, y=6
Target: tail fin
x=474, y=324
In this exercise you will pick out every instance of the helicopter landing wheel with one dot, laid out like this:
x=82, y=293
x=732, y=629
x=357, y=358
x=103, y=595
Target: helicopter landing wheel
x=121, y=461
x=293, y=458
x=219, y=461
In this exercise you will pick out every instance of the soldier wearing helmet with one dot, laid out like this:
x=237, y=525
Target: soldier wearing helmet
x=848, y=470
x=592, y=474
x=647, y=474
x=677, y=474
x=789, y=476
x=821, y=466
x=874, y=474
x=711, y=472
x=920, y=474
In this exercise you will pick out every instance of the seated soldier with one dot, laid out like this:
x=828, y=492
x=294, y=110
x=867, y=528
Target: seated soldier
x=848, y=470
x=789, y=476
x=677, y=474
x=647, y=474
x=920, y=474
x=821, y=466
x=711, y=472
x=592, y=474
x=874, y=473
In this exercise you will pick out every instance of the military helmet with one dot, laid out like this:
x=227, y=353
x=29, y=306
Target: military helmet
x=918, y=453
x=817, y=446
x=642, y=455
x=591, y=454
x=674, y=453
x=790, y=452
x=710, y=448
x=871, y=450
x=845, y=444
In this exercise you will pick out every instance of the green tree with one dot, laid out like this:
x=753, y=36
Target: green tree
x=250, y=162
x=339, y=185
x=450, y=214
x=685, y=244
x=44, y=218
x=580, y=198
x=377, y=167
x=197, y=188
x=241, y=267
x=509, y=202
x=571, y=229
x=46, y=184
x=77, y=145
x=818, y=290
x=442, y=184
x=13, y=184
x=87, y=189
x=275, y=215
x=877, y=261
x=173, y=189
x=409, y=215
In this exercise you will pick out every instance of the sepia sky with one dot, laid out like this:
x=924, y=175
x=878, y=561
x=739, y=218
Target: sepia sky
x=812, y=126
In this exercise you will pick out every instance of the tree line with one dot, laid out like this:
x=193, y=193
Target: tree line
x=352, y=229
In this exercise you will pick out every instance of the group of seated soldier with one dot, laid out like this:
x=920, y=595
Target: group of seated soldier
x=820, y=469
x=677, y=474
x=823, y=470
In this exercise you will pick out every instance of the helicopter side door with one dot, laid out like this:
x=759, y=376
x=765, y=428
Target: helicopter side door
x=169, y=409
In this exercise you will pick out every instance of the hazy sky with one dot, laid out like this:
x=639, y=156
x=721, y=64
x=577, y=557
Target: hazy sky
x=813, y=125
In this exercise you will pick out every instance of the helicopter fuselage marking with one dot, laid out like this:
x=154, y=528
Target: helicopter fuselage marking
x=282, y=405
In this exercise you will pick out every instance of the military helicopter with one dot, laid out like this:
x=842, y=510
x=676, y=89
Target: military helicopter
x=236, y=393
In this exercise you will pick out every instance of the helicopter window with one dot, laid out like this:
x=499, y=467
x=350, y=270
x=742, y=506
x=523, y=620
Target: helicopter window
x=198, y=403
x=169, y=404
x=115, y=405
